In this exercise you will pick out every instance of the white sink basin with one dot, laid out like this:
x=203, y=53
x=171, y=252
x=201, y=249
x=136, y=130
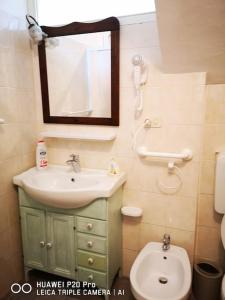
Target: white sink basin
x=58, y=186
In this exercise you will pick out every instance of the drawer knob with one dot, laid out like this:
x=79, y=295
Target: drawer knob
x=42, y=244
x=89, y=226
x=90, y=261
x=49, y=245
x=90, y=244
x=90, y=277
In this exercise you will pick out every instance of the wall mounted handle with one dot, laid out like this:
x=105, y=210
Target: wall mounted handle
x=186, y=154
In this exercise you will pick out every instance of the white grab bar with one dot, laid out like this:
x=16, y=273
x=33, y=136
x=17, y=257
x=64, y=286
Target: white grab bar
x=186, y=154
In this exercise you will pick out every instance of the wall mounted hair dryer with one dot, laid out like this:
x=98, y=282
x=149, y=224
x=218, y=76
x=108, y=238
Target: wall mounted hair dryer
x=140, y=75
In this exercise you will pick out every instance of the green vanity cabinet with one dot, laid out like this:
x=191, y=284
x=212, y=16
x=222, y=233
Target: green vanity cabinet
x=82, y=244
x=60, y=244
x=47, y=241
x=34, y=237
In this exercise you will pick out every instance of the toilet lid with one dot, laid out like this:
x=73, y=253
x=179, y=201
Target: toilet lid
x=223, y=231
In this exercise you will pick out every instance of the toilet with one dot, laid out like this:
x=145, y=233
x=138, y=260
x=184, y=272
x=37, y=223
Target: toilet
x=223, y=242
x=158, y=274
x=223, y=289
x=220, y=202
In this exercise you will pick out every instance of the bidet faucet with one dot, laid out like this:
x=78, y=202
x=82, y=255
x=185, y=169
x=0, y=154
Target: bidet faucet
x=74, y=162
x=166, y=242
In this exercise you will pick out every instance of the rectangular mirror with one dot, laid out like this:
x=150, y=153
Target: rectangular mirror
x=79, y=71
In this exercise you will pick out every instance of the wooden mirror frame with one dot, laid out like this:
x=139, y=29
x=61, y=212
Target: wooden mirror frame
x=109, y=24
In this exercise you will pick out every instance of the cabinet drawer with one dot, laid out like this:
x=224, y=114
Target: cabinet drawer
x=91, y=243
x=91, y=260
x=97, y=208
x=91, y=226
x=88, y=275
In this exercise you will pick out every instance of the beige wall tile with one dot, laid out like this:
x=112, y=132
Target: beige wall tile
x=17, y=106
x=181, y=213
x=215, y=97
x=207, y=216
x=4, y=217
x=207, y=177
x=182, y=238
x=10, y=139
x=27, y=161
x=6, y=277
x=3, y=70
x=214, y=140
x=154, y=209
x=128, y=260
x=151, y=233
x=131, y=233
x=9, y=105
x=154, y=205
x=208, y=243
x=11, y=167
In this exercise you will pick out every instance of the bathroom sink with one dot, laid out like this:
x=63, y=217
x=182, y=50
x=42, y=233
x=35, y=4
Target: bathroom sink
x=58, y=186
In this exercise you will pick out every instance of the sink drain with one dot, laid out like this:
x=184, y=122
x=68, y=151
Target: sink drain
x=163, y=280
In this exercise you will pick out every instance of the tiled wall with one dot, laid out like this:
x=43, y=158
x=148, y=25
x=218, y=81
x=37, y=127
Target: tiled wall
x=208, y=238
x=179, y=101
x=17, y=135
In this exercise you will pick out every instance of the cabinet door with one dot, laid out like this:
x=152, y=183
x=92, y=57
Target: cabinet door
x=60, y=244
x=34, y=237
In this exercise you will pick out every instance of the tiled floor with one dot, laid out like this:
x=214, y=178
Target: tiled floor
x=119, y=284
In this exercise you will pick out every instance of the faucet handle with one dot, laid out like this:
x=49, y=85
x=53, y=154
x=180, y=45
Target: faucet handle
x=166, y=237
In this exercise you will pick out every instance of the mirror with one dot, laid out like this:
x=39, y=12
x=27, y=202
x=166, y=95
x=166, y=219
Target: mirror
x=79, y=71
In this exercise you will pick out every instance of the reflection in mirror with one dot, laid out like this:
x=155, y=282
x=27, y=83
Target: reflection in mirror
x=79, y=75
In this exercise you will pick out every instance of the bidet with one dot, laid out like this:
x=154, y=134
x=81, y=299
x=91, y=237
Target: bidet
x=160, y=275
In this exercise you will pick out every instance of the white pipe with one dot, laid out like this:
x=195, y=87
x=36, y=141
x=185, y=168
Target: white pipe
x=2, y=121
x=186, y=154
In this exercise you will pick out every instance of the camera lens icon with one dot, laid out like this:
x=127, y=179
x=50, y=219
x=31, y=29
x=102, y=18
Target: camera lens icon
x=16, y=288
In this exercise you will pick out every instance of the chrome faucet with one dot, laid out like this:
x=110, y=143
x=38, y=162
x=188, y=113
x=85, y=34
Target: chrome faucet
x=166, y=242
x=74, y=162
